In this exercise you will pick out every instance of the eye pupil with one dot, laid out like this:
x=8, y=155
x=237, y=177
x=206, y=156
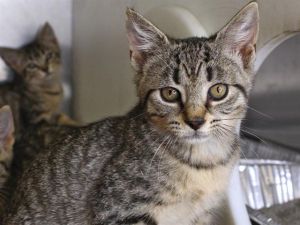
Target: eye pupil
x=220, y=89
x=218, y=92
x=169, y=94
x=31, y=66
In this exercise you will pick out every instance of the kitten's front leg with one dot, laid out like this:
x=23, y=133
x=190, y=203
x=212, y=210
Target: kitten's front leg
x=206, y=220
x=215, y=216
x=63, y=119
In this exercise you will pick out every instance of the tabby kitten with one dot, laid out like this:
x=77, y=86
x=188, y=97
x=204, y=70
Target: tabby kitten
x=6, y=152
x=166, y=162
x=36, y=91
x=35, y=95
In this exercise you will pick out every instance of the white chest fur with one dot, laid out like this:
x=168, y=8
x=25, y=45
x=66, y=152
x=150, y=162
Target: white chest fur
x=193, y=194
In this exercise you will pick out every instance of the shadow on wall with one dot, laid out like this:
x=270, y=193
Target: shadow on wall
x=275, y=101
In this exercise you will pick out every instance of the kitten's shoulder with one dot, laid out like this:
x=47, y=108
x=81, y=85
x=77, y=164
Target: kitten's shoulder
x=106, y=124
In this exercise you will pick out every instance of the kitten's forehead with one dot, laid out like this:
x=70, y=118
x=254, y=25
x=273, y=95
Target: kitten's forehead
x=192, y=64
x=203, y=60
x=193, y=50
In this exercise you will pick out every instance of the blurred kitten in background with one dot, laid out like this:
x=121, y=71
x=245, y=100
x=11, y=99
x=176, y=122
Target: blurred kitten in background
x=36, y=93
x=6, y=152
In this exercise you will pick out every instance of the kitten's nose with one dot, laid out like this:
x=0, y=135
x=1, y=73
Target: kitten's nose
x=196, y=123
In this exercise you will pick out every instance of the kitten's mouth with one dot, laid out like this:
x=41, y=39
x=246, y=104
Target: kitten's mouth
x=196, y=137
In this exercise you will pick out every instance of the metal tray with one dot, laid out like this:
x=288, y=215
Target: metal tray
x=269, y=182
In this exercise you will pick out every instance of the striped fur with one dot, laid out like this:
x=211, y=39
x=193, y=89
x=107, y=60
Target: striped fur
x=6, y=154
x=34, y=95
x=155, y=165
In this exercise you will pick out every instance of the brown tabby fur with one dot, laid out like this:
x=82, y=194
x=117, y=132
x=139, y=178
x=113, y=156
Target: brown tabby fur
x=34, y=95
x=6, y=152
x=169, y=160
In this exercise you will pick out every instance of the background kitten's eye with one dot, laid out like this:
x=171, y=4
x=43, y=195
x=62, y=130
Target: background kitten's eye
x=218, y=91
x=170, y=94
x=51, y=55
x=31, y=66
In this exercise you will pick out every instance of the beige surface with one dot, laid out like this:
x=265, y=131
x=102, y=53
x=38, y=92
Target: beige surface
x=103, y=77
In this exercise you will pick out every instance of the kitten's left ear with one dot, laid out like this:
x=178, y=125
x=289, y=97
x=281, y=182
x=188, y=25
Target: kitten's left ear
x=6, y=128
x=13, y=58
x=144, y=38
x=46, y=36
x=240, y=34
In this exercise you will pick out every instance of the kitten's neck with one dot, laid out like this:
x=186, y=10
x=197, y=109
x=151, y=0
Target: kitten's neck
x=41, y=102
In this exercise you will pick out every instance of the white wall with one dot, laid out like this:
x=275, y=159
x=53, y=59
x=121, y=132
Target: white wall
x=20, y=19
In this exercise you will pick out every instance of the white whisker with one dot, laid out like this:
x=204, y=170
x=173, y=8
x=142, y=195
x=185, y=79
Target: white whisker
x=158, y=149
x=261, y=113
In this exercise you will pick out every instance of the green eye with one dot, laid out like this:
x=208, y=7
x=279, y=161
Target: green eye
x=218, y=92
x=31, y=66
x=51, y=55
x=170, y=94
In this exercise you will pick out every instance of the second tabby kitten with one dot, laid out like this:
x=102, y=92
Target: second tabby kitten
x=6, y=153
x=168, y=161
x=36, y=93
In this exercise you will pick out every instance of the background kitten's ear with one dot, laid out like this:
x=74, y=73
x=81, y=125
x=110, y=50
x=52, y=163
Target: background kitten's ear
x=13, y=58
x=6, y=128
x=240, y=34
x=143, y=37
x=46, y=36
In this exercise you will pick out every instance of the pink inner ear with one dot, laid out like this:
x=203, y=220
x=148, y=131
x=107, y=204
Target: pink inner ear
x=247, y=54
x=132, y=40
x=130, y=54
x=241, y=38
x=136, y=54
x=137, y=59
x=240, y=34
x=143, y=37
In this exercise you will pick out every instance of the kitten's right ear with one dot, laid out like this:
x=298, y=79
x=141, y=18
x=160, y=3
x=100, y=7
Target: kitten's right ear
x=143, y=37
x=46, y=36
x=13, y=58
x=240, y=34
x=6, y=128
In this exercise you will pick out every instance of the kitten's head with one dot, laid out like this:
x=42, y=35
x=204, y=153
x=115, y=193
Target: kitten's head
x=6, y=135
x=196, y=89
x=37, y=62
